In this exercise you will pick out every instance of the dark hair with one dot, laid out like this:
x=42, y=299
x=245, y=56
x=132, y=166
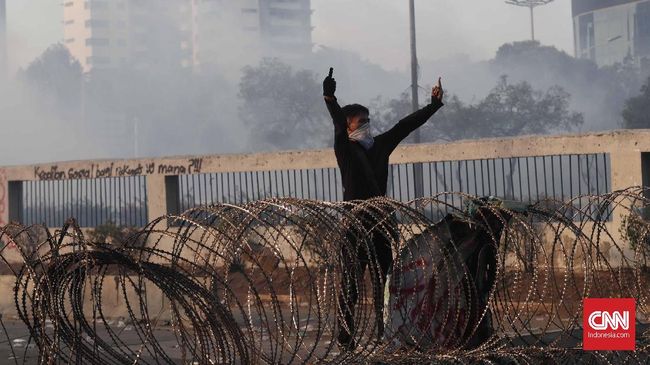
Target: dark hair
x=354, y=110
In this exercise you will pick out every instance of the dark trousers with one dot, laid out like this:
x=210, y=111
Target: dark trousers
x=369, y=248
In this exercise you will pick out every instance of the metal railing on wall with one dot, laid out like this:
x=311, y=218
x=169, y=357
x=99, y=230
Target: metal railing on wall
x=525, y=179
x=123, y=200
x=92, y=202
x=517, y=178
x=246, y=186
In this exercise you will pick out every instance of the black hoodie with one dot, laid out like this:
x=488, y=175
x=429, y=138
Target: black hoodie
x=365, y=173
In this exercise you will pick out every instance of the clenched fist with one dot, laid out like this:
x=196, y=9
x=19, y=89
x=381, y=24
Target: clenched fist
x=437, y=92
x=329, y=84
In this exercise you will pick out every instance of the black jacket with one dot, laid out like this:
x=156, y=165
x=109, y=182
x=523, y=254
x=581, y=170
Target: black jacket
x=365, y=173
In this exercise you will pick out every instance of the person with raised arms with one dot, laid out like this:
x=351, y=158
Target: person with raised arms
x=363, y=161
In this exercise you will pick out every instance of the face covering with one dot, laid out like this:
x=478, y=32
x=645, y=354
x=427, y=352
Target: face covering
x=363, y=136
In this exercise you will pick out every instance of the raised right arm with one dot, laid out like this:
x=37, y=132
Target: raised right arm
x=339, y=119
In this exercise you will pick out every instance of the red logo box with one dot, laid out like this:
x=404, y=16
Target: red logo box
x=609, y=324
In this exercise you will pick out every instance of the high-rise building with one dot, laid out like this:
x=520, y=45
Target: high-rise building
x=95, y=32
x=193, y=33
x=286, y=24
x=611, y=31
x=224, y=30
x=158, y=32
x=109, y=33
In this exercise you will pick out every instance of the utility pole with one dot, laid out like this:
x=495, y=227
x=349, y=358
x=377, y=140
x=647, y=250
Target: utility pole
x=417, y=167
x=532, y=22
x=531, y=4
x=414, y=66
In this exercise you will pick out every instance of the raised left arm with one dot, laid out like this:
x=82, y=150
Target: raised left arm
x=415, y=120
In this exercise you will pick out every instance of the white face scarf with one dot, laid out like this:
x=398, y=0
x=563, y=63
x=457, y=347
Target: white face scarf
x=363, y=136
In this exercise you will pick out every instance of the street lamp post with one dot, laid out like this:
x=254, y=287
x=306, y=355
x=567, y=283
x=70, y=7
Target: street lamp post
x=414, y=66
x=531, y=4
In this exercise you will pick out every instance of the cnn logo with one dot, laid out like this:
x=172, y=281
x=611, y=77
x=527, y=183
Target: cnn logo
x=607, y=325
x=602, y=320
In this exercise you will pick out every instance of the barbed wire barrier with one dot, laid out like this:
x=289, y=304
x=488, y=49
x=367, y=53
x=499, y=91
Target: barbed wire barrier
x=277, y=281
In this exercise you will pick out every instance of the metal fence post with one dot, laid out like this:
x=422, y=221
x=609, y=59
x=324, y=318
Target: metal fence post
x=15, y=201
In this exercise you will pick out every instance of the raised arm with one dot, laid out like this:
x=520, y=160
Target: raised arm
x=415, y=120
x=339, y=119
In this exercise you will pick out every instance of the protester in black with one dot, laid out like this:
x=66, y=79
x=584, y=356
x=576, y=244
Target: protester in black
x=363, y=161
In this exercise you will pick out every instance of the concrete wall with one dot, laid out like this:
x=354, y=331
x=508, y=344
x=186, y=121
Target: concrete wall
x=624, y=147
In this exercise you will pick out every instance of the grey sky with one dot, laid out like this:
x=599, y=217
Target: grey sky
x=32, y=26
x=377, y=29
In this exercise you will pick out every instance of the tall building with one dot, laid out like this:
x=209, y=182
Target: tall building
x=110, y=33
x=158, y=31
x=611, y=31
x=222, y=30
x=193, y=33
x=225, y=30
x=95, y=32
x=286, y=24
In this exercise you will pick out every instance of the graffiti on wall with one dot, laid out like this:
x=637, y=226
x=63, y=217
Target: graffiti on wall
x=112, y=169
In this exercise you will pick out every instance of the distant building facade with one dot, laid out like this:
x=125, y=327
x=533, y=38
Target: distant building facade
x=225, y=29
x=95, y=32
x=286, y=24
x=612, y=31
x=193, y=33
x=110, y=33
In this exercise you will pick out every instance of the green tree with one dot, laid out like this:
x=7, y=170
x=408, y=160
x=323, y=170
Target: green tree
x=518, y=109
x=599, y=92
x=636, y=113
x=636, y=231
x=283, y=108
x=508, y=110
x=56, y=77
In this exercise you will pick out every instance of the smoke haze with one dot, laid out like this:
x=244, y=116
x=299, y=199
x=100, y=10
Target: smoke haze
x=161, y=108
